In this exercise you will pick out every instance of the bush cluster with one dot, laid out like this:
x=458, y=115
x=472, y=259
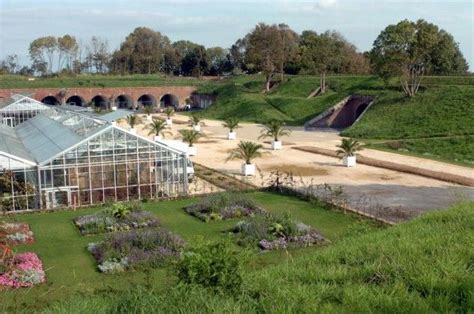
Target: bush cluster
x=224, y=206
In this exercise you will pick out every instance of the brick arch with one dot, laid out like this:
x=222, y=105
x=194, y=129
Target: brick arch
x=169, y=100
x=50, y=100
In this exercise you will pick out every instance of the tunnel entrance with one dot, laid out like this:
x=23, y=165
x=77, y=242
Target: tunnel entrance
x=169, y=100
x=50, y=100
x=100, y=102
x=124, y=102
x=75, y=101
x=342, y=115
x=147, y=100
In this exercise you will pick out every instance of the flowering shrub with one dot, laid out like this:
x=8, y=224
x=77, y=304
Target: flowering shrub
x=119, y=217
x=273, y=232
x=138, y=248
x=16, y=233
x=26, y=270
x=224, y=206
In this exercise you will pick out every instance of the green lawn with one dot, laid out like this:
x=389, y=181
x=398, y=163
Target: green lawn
x=71, y=269
x=422, y=266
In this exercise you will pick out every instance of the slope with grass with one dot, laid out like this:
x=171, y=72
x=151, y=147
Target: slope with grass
x=70, y=268
x=423, y=266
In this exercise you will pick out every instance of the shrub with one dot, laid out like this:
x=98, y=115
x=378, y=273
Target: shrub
x=224, y=206
x=138, y=248
x=212, y=265
x=117, y=217
x=273, y=232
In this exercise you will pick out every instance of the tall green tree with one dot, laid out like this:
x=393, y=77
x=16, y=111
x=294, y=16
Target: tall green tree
x=408, y=50
x=68, y=49
x=42, y=52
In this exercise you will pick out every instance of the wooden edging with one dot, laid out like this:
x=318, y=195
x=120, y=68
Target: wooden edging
x=246, y=185
x=442, y=176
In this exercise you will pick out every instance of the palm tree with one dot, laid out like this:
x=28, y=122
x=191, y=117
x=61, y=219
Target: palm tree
x=157, y=128
x=133, y=120
x=232, y=124
x=196, y=122
x=148, y=110
x=190, y=136
x=246, y=151
x=274, y=129
x=347, y=149
x=169, y=112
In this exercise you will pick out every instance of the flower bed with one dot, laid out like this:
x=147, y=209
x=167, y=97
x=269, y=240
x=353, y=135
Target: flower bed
x=16, y=233
x=119, y=217
x=136, y=249
x=224, y=206
x=272, y=232
x=23, y=270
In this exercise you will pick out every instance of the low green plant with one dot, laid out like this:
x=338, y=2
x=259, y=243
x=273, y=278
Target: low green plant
x=169, y=112
x=349, y=147
x=246, y=151
x=274, y=129
x=211, y=265
x=190, y=136
x=231, y=124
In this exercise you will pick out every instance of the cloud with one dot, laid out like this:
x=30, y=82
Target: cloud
x=325, y=4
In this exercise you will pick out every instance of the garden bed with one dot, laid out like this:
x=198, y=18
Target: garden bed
x=224, y=206
x=118, y=217
x=21, y=270
x=273, y=232
x=16, y=233
x=136, y=249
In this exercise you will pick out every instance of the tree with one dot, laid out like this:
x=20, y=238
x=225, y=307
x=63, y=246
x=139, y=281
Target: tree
x=265, y=51
x=190, y=136
x=42, y=53
x=157, y=128
x=133, y=120
x=274, y=129
x=348, y=147
x=68, y=49
x=98, y=56
x=195, y=62
x=246, y=151
x=9, y=65
x=231, y=124
x=408, y=50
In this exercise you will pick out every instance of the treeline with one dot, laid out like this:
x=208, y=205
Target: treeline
x=407, y=49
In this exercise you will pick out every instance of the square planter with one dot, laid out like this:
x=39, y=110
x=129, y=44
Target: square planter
x=157, y=138
x=114, y=108
x=231, y=135
x=248, y=170
x=169, y=122
x=133, y=130
x=149, y=117
x=349, y=161
x=276, y=145
x=192, y=151
x=197, y=128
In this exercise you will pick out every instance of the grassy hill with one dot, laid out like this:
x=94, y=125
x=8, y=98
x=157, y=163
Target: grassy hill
x=422, y=266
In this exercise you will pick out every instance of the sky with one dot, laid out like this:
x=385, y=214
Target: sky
x=221, y=23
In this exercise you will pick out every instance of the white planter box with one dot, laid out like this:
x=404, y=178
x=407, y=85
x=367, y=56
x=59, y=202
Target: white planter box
x=349, y=161
x=231, y=135
x=276, y=145
x=133, y=130
x=192, y=151
x=114, y=123
x=149, y=118
x=248, y=170
x=169, y=122
x=157, y=138
x=197, y=128
x=114, y=108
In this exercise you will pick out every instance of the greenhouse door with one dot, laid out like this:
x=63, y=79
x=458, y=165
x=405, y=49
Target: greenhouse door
x=8, y=121
x=55, y=199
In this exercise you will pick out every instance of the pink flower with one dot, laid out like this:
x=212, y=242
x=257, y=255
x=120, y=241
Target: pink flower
x=27, y=271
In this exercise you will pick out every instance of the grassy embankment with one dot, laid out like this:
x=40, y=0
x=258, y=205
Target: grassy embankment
x=71, y=269
x=423, y=266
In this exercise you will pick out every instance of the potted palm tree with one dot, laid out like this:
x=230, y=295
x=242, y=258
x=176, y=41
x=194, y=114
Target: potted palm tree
x=274, y=129
x=169, y=112
x=148, y=110
x=133, y=120
x=196, y=122
x=246, y=151
x=231, y=124
x=158, y=129
x=190, y=137
x=347, y=149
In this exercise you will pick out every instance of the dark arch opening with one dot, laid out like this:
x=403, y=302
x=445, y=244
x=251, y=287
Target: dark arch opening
x=76, y=101
x=169, y=100
x=100, y=102
x=50, y=100
x=147, y=100
x=124, y=102
x=360, y=110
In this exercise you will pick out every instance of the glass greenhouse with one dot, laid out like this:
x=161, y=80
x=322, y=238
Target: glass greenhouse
x=62, y=158
x=19, y=109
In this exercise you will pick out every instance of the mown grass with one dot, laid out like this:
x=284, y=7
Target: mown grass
x=423, y=266
x=71, y=270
